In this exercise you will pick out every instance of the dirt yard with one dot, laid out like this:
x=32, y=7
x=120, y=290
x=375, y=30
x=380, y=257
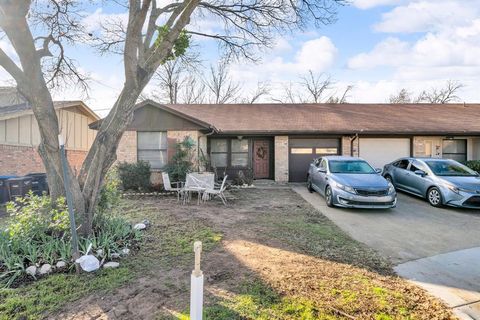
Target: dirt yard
x=269, y=255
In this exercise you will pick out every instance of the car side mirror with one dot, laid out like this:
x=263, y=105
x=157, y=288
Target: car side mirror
x=420, y=173
x=378, y=170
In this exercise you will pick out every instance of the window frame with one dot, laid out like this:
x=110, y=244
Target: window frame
x=463, y=154
x=229, y=151
x=165, y=149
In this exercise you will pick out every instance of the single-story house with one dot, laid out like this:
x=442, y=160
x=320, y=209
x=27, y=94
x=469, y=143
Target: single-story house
x=278, y=141
x=20, y=137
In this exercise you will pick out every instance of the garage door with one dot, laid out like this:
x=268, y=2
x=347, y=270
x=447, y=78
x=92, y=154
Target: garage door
x=379, y=152
x=303, y=150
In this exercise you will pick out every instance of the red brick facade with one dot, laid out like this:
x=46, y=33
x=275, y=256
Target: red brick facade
x=21, y=160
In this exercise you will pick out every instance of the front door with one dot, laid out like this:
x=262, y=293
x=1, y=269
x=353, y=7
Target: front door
x=261, y=159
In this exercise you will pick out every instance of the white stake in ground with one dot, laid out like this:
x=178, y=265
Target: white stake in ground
x=196, y=293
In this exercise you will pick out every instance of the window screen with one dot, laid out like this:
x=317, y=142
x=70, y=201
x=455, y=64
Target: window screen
x=239, y=153
x=152, y=147
x=219, y=153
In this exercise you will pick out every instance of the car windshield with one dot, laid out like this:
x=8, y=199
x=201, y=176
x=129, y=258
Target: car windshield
x=450, y=168
x=349, y=166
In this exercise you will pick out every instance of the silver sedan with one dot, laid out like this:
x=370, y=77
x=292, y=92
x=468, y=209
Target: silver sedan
x=351, y=183
x=440, y=181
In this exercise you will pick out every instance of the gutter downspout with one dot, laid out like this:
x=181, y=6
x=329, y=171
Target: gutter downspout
x=355, y=137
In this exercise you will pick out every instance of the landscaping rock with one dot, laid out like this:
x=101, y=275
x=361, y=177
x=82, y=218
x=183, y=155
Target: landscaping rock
x=115, y=255
x=32, y=271
x=146, y=222
x=111, y=264
x=140, y=226
x=45, y=269
x=88, y=263
x=61, y=264
x=100, y=253
x=125, y=251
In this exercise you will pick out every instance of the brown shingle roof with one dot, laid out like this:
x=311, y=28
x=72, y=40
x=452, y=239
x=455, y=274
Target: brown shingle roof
x=338, y=118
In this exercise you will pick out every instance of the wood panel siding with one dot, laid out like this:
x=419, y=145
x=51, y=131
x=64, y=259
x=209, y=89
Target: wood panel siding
x=23, y=130
x=150, y=118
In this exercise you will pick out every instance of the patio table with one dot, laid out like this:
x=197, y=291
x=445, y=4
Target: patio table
x=198, y=182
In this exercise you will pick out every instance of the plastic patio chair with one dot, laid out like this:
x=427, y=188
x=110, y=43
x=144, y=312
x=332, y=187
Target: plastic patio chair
x=167, y=184
x=217, y=192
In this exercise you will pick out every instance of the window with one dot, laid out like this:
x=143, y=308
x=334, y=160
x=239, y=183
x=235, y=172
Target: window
x=229, y=152
x=239, y=153
x=326, y=150
x=402, y=164
x=301, y=151
x=323, y=165
x=418, y=166
x=219, y=152
x=455, y=149
x=152, y=147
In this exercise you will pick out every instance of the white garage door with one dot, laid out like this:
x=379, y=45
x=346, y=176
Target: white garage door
x=379, y=152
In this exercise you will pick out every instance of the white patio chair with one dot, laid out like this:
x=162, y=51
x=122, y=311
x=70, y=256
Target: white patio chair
x=217, y=192
x=167, y=184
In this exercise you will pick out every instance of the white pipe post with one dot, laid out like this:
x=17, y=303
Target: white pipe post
x=196, y=293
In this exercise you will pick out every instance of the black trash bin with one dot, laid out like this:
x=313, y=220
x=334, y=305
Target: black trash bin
x=4, y=193
x=39, y=183
x=19, y=187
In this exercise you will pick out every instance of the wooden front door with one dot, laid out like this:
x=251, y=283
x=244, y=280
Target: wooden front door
x=261, y=159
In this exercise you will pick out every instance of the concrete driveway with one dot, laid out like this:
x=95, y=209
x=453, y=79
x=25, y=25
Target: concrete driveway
x=438, y=249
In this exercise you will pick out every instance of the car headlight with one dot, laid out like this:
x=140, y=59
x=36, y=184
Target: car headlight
x=343, y=187
x=457, y=190
x=391, y=188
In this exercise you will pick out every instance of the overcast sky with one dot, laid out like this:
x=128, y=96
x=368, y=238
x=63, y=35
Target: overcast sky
x=379, y=46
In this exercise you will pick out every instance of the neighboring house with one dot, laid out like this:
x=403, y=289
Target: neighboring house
x=278, y=141
x=20, y=137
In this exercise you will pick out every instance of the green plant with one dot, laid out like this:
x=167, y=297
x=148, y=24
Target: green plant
x=34, y=216
x=474, y=165
x=182, y=161
x=110, y=193
x=135, y=176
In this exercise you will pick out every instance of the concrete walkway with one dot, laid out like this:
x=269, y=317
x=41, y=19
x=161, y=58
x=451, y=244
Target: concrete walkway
x=438, y=249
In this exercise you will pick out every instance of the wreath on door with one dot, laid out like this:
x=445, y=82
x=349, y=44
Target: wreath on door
x=261, y=152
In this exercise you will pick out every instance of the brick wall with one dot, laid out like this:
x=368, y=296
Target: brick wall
x=21, y=160
x=281, y=158
x=127, y=147
x=347, y=146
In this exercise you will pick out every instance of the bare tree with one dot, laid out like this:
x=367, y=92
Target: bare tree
x=446, y=94
x=173, y=76
x=315, y=86
x=222, y=89
x=262, y=89
x=342, y=98
x=154, y=34
x=193, y=90
x=403, y=96
x=289, y=94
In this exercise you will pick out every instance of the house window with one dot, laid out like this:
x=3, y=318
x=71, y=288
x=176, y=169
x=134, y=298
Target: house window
x=229, y=152
x=239, y=153
x=152, y=147
x=455, y=149
x=219, y=153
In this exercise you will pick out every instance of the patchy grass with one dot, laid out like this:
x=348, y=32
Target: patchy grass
x=268, y=255
x=51, y=293
x=167, y=241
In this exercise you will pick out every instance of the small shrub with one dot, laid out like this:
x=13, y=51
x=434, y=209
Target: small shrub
x=110, y=193
x=38, y=233
x=244, y=177
x=135, y=176
x=182, y=160
x=474, y=165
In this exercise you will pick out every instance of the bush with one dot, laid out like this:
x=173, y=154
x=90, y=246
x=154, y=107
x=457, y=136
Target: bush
x=474, y=165
x=244, y=177
x=182, y=160
x=38, y=233
x=135, y=176
x=110, y=193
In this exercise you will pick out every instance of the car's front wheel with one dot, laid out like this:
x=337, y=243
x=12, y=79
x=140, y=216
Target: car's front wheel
x=329, y=196
x=309, y=184
x=434, y=197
